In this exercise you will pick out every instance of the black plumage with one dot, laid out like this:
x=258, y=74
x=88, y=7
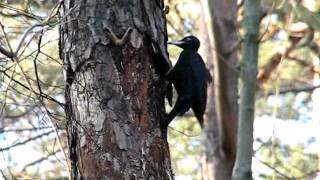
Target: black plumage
x=190, y=78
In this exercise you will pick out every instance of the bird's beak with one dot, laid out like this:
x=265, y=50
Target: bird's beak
x=177, y=43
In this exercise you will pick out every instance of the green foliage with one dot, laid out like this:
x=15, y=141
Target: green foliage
x=304, y=15
x=292, y=162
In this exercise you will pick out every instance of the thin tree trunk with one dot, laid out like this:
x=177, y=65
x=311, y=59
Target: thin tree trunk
x=220, y=128
x=248, y=74
x=114, y=88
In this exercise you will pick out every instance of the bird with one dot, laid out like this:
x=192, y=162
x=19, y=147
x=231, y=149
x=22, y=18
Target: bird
x=190, y=78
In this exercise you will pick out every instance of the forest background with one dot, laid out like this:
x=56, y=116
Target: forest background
x=287, y=109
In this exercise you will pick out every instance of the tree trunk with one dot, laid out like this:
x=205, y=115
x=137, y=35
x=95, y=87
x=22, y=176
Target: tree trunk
x=220, y=128
x=248, y=74
x=114, y=53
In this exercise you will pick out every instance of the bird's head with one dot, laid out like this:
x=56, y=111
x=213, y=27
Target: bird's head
x=187, y=43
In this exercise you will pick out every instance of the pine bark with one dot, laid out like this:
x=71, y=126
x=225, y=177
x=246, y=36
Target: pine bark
x=115, y=92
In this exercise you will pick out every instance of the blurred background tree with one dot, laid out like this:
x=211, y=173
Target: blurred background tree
x=287, y=103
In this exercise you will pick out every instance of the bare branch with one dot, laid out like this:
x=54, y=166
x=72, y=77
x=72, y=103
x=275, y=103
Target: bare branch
x=26, y=87
x=275, y=170
x=9, y=53
x=296, y=90
x=19, y=12
x=183, y=133
x=6, y=52
x=26, y=141
x=235, y=46
x=35, y=64
x=40, y=160
x=24, y=36
x=25, y=129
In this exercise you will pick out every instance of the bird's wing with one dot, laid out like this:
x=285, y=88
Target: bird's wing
x=208, y=75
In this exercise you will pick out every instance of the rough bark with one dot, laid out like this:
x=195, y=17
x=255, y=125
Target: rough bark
x=248, y=73
x=220, y=127
x=115, y=92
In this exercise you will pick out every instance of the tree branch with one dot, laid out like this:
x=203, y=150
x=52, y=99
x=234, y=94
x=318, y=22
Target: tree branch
x=26, y=141
x=296, y=90
x=26, y=87
x=6, y=52
x=40, y=160
x=24, y=129
x=275, y=170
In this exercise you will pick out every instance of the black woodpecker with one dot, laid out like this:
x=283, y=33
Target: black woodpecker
x=190, y=78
